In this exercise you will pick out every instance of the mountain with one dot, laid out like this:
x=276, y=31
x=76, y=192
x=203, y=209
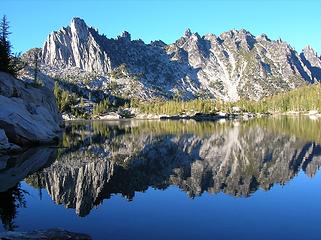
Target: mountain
x=230, y=66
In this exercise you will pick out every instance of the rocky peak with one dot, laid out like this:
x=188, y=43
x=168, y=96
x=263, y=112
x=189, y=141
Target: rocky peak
x=158, y=43
x=312, y=61
x=125, y=36
x=233, y=34
x=239, y=38
x=76, y=46
x=309, y=51
x=263, y=37
x=308, y=48
x=79, y=27
x=188, y=33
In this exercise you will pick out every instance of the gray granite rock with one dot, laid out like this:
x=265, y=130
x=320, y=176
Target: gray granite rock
x=29, y=114
x=230, y=66
x=5, y=146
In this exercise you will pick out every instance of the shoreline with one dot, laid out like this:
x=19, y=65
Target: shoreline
x=197, y=117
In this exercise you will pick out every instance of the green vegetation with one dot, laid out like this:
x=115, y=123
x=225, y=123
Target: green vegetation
x=176, y=107
x=67, y=103
x=101, y=107
x=302, y=99
x=119, y=72
x=300, y=127
x=9, y=62
x=80, y=91
x=64, y=99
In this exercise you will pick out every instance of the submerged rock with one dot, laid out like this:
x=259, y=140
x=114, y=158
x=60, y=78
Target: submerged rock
x=50, y=234
x=29, y=114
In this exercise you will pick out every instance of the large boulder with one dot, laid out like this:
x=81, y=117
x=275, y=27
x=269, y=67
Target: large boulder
x=29, y=114
x=5, y=146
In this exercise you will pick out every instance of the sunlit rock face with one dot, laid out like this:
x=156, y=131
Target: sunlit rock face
x=313, y=62
x=231, y=158
x=76, y=46
x=28, y=115
x=230, y=66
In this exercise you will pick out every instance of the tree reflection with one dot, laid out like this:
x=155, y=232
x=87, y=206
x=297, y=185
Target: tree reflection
x=10, y=201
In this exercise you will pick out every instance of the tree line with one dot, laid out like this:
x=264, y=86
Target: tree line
x=301, y=99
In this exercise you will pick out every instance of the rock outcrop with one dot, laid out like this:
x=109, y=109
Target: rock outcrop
x=230, y=66
x=313, y=62
x=5, y=146
x=77, y=46
x=28, y=115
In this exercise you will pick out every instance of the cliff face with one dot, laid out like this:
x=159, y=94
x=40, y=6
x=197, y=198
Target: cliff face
x=236, y=160
x=313, y=62
x=76, y=46
x=229, y=66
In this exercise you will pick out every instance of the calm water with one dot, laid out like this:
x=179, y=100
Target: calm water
x=171, y=180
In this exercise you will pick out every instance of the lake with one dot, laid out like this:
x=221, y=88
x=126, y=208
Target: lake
x=256, y=179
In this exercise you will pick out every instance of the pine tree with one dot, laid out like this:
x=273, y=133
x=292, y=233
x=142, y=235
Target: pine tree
x=5, y=47
x=8, y=62
x=35, y=59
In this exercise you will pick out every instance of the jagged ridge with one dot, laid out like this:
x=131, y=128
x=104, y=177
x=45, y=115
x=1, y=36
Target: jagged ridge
x=234, y=65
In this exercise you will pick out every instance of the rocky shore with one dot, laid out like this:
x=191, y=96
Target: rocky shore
x=50, y=234
x=29, y=115
x=198, y=116
x=150, y=116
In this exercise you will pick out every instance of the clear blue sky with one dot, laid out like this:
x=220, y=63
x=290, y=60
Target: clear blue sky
x=296, y=21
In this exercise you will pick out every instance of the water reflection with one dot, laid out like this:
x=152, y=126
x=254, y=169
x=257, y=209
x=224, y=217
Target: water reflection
x=101, y=159
x=10, y=201
x=13, y=169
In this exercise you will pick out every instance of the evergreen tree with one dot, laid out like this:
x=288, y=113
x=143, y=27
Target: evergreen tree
x=9, y=62
x=5, y=47
x=35, y=59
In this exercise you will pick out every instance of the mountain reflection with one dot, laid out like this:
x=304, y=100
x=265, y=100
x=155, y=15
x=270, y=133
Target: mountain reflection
x=101, y=159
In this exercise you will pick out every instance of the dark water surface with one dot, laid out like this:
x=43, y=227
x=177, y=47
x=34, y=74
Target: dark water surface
x=171, y=180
